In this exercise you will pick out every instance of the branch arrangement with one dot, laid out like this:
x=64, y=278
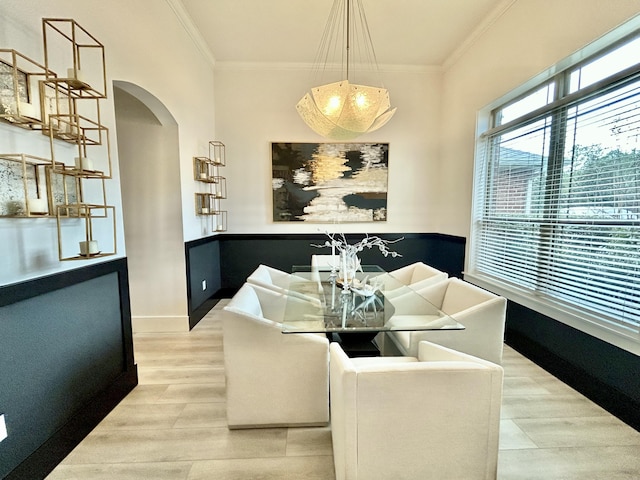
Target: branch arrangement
x=339, y=242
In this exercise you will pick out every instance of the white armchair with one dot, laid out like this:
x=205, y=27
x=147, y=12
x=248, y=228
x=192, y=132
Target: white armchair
x=276, y=280
x=271, y=278
x=273, y=379
x=434, y=417
x=418, y=275
x=325, y=261
x=481, y=312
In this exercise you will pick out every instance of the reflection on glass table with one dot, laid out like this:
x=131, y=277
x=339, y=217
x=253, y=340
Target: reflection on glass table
x=373, y=302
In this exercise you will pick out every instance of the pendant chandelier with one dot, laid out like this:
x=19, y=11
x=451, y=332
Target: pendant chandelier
x=343, y=110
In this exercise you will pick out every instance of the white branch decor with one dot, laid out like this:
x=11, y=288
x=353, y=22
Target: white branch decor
x=339, y=242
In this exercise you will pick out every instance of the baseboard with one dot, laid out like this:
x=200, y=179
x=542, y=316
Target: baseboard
x=41, y=462
x=140, y=324
x=202, y=310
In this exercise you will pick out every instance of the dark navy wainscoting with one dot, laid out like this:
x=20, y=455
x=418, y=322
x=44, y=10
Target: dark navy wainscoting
x=203, y=264
x=241, y=254
x=602, y=372
x=66, y=359
x=227, y=260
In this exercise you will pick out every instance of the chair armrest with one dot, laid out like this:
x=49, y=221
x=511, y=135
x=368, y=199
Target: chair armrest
x=431, y=352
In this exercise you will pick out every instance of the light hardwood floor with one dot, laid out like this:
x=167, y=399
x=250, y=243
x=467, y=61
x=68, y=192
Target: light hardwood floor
x=173, y=427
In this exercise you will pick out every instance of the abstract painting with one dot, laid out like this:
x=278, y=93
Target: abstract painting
x=329, y=182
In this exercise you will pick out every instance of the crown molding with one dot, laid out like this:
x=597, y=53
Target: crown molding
x=310, y=67
x=473, y=37
x=187, y=23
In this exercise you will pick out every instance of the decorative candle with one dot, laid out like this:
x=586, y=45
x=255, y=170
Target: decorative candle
x=37, y=205
x=220, y=228
x=89, y=248
x=76, y=75
x=203, y=175
x=83, y=163
x=204, y=210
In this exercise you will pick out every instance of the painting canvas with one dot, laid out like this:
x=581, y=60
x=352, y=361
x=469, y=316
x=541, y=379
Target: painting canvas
x=330, y=182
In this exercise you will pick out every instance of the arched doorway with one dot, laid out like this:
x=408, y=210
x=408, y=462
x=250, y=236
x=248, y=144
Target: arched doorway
x=148, y=154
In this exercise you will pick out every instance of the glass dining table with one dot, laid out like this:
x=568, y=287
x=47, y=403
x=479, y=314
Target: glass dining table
x=354, y=314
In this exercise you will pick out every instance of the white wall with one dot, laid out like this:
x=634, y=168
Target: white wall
x=152, y=214
x=145, y=46
x=530, y=37
x=255, y=105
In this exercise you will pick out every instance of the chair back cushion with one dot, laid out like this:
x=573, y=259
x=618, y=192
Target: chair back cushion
x=246, y=300
x=461, y=295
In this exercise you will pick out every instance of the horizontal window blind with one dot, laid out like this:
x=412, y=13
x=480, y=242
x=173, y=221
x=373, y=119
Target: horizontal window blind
x=557, y=203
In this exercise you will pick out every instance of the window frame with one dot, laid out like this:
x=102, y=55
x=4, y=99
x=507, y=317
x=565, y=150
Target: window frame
x=560, y=74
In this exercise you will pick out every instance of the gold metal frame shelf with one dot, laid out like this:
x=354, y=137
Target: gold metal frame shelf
x=80, y=195
x=219, y=221
x=220, y=187
x=89, y=137
x=34, y=198
x=217, y=153
x=203, y=169
x=207, y=204
x=96, y=228
x=67, y=118
x=84, y=54
x=20, y=99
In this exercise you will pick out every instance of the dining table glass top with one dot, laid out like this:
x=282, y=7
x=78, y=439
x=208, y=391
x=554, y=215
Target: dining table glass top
x=317, y=302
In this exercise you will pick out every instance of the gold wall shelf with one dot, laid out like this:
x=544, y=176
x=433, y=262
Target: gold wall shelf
x=94, y=231
x=207, y=204
x=66, y=108
x=206, y=171
x=219, y=222
x=217, y=153
x=27, y=191
x=77, y=56
x=20, y=99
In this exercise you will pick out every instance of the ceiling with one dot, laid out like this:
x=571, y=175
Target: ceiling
x=404, y=32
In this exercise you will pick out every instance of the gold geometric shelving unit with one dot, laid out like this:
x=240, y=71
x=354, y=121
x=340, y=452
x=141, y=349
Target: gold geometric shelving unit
x=62, y=99
x=206, y=171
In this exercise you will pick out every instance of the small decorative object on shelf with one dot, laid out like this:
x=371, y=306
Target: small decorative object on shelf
x=19, y=91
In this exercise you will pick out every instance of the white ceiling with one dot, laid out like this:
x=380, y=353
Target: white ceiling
x=404, y=32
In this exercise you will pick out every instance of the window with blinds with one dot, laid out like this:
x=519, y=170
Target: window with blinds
x=557, y=192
